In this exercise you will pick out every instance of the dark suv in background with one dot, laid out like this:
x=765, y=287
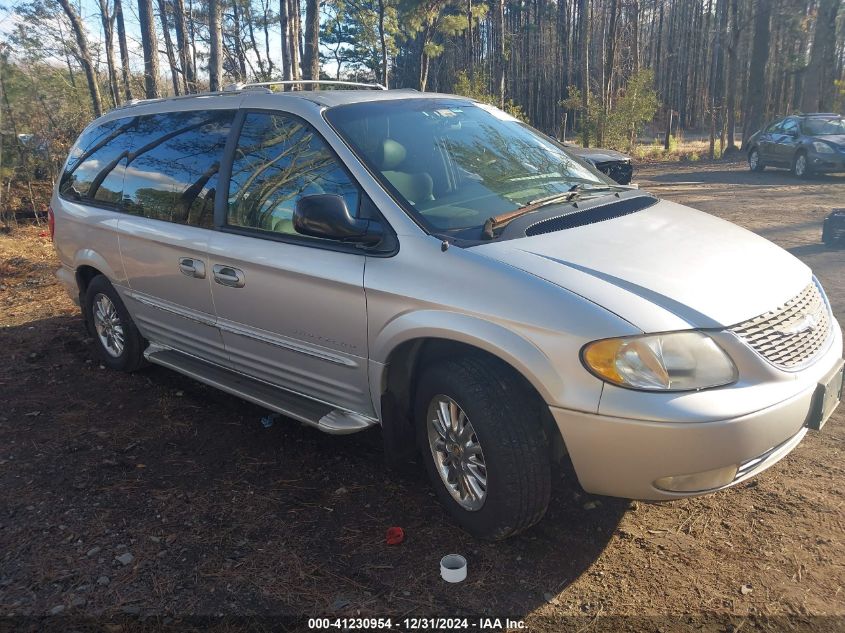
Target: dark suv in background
x=805, y=143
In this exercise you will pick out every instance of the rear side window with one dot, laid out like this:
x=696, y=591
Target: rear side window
x=94, y=170
x=173, y=166
x=279, y=159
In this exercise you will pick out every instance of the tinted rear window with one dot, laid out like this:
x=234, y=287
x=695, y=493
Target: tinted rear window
x=162, y=166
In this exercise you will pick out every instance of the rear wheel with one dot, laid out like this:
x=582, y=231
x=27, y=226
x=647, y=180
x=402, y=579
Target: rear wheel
x=800, y=166
x=754, y=162
x=116, y=338
x=487, y=455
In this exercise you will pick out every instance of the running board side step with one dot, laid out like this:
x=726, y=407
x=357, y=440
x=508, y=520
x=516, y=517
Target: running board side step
x=305, y=410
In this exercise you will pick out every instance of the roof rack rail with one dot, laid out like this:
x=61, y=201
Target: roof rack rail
x=303, y=82
x=134, y=102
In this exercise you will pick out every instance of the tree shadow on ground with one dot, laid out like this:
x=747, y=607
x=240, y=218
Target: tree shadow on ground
x=223, y=515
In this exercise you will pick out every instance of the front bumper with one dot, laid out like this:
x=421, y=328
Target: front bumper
x=624, y=458
x=827, y=162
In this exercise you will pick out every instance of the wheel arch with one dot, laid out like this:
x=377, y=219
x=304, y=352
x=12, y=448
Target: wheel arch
x=401, y=358
x=88, y=264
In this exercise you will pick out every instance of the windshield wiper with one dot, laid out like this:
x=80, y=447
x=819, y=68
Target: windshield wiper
x=574, y=193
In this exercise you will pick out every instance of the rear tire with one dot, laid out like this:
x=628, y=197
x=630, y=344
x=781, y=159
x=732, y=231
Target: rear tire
x=754, y=162
x=116, y=337
x=506, y=444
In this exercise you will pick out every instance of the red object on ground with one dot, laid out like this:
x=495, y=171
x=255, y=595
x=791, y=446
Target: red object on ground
x=395, y=535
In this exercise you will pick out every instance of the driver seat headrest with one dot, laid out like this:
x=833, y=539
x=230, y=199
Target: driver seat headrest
x=392, y=154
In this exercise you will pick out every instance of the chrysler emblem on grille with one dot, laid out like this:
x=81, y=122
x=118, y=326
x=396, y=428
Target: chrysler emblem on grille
x=806, y=323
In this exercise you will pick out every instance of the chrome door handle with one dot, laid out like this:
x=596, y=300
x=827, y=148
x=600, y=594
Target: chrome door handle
x=228, y=276
x=192, y=267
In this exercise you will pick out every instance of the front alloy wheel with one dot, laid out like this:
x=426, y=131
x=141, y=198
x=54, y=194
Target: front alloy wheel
x=481, y=435
x=799, y=167
x=457, y=452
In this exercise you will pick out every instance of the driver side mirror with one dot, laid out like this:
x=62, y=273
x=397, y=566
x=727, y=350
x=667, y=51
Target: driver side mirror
x=326, y=215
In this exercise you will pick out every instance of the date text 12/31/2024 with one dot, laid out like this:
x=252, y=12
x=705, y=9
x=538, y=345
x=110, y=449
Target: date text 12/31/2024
x=416, y=624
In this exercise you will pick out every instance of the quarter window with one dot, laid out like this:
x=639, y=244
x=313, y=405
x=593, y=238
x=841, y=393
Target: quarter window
x=94, y=170
x=278, y=160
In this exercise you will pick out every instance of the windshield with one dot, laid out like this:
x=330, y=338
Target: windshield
x=454, y=163
x=823, y=127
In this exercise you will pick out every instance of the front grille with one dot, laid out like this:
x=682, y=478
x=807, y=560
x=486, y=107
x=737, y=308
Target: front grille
x=791, y=335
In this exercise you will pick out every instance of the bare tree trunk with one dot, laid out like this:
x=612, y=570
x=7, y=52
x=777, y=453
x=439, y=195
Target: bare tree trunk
x=215, y=60
x=753, y=117
x=469, y=42
x=311, y=61
x=84, y=57
x=284, y=23
x=293, y=13
x=499, y=18
x=732, y=72
x=635, y=36
x=424, y=59
x=240, y=55
x=188, y=79
x=149, y=46
x=124, y=49
x=823, y=34
x=611, y=53
x=168, y=46
x=296, y=40
x=382, y=36
x=585, y=71
x=108, y=34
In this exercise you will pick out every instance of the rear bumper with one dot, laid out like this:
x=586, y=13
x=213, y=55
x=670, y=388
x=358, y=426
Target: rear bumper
x=67, y=279
x=624, y=458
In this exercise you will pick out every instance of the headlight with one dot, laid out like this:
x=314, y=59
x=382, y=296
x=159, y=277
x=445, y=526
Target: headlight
x=675, y=361
x=822, y=148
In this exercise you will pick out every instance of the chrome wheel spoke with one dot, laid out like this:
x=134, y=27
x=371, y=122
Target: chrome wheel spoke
x=457, y=453
x=108, y=326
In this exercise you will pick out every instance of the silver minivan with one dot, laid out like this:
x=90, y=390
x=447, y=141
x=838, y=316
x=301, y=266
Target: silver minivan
x=429, y=264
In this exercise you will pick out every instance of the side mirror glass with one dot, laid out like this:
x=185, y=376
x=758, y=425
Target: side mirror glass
x=326, y=216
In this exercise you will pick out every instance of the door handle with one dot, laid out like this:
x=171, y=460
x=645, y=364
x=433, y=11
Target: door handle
x=192, y=267
x=228, y=276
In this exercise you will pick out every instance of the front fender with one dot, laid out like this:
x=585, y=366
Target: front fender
x=507, y=345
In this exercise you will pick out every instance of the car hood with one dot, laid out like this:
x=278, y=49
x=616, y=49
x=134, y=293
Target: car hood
x=595, y=154
x=666, y=267
x=836, y=139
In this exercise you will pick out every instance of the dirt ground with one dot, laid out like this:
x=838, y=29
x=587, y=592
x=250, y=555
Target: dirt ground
x=222, y=523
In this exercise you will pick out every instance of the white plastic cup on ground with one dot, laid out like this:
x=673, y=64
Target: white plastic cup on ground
x=453, y=568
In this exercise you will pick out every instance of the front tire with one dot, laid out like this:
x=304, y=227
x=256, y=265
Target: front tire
x=480, y=433
x=800, y=165
x=754, y=162
x=116, y=337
